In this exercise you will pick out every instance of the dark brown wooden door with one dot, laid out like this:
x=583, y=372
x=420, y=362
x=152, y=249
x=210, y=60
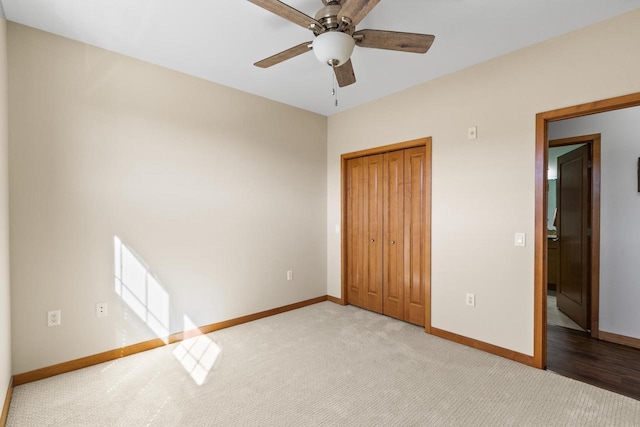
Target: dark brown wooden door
x=573, y=225
x=415, y=221
x=393, y=285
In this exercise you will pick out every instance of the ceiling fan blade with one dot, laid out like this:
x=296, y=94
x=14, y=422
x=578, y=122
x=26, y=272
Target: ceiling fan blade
x=345, y=74
x=284, y=55
x=392, y=40
x=287, y=12
x=356, y=10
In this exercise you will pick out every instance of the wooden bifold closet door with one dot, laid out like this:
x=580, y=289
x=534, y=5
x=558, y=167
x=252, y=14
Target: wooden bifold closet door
x=364, y=228
x=385, y=220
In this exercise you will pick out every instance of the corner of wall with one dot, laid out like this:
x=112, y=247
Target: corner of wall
x=7, y=401
x=5, y=306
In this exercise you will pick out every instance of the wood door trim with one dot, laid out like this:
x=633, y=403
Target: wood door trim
x=422, y=142
x=594, y=140
x=387, y=148
x=540, y=235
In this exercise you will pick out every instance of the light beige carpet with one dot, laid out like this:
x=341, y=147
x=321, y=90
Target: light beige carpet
x=320, y=365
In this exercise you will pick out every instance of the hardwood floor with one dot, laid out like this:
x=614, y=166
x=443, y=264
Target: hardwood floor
x=576, y=355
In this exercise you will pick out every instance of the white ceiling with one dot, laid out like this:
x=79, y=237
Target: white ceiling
x=220, y=40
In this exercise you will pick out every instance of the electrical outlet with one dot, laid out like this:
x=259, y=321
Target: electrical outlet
x=54, y=318
x=289, y=274
x=101, y=309
x=471, y=300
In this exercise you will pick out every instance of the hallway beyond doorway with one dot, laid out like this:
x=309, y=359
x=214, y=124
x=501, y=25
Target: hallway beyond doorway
x=556, y=317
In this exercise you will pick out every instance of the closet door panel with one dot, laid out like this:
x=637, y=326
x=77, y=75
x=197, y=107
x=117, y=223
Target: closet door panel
x=373, y=222
x=393, y=200
x=356, y=283
x=414, y=235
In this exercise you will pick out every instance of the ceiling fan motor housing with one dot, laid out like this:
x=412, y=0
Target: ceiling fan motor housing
x=328, y=15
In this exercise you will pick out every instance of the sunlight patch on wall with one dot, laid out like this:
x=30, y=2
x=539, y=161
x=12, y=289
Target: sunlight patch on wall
x=140, y=290
x=196, y=354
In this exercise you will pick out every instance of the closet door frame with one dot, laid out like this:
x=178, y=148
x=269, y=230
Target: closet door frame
x=422, y=142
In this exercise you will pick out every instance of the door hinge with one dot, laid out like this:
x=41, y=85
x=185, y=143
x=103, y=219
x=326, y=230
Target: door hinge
x=589, y=164
x=589, y=232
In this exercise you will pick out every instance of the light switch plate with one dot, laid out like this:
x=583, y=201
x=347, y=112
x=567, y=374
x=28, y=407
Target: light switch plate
x=520, y=240
x=472, y=132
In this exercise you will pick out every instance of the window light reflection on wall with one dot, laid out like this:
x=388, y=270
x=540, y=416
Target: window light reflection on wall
x=140, y=290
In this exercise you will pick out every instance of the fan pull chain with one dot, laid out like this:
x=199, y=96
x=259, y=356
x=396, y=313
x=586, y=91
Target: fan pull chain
x=334, y=89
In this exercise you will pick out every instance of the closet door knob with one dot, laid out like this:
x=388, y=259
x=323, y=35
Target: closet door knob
x=393, y=242
x=373, y=240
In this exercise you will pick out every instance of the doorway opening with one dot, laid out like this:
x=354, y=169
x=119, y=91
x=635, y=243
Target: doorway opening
x=541, y=233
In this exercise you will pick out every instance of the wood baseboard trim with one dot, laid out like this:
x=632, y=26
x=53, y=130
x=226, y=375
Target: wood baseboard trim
x=619, y=339
x=7, y=402
x=335, y=300
x=481, y=345
x=250, y=318
x=107, y=356
x=85, y=362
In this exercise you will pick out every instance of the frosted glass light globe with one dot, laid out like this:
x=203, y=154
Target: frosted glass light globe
x=333, y=47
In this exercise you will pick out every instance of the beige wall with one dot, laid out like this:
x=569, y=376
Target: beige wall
x=5, y=307
x=483, y=190
x=218, y=192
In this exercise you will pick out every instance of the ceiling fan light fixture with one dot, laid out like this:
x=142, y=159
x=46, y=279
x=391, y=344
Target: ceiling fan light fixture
x=333, y=47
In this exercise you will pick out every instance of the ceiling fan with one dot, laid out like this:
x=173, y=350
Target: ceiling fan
x=334, y=28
